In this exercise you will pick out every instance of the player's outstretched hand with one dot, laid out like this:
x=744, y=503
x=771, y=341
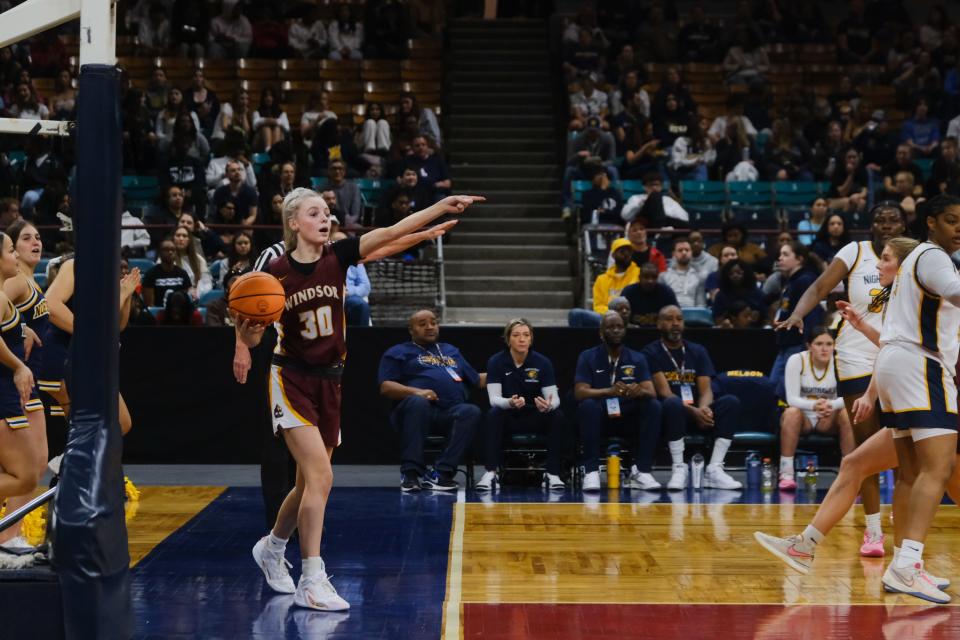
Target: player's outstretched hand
x=402, y=244
x=790, y=323
x=848, y=313
x=241, y=363
x=459, y=204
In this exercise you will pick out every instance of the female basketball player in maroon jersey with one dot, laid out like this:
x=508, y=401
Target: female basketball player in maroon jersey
x=306, y=369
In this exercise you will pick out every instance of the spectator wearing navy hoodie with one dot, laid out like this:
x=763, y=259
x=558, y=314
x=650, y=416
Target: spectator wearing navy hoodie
x=796, y=264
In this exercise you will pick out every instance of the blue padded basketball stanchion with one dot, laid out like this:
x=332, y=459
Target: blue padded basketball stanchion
x=88, y=531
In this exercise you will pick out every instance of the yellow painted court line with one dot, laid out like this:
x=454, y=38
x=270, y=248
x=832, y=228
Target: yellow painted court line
x=451, y=627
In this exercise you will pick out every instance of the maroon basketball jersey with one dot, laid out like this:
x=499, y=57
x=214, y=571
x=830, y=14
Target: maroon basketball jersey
x=312, y=327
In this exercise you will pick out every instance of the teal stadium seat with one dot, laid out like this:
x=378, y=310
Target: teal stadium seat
x=579, y=186
x=210, y=296
x=751, y=203
x=795, y=198
x=139, y=192
x=697, y=317
x=633, y=187
x=926, y=166
x=705, y=200
x=141, y=263
x=259, y=160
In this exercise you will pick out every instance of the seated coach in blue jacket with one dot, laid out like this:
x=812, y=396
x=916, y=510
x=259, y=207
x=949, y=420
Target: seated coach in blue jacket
x=616, y=397
x=430, y=382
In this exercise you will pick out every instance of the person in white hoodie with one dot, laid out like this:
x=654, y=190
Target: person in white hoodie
x=133, y=235
x=346, y=35
x=658, y=208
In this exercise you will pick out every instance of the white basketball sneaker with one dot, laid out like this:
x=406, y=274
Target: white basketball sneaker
x=488, y=482
x=678, y=479
x=643, y=481
x=913, y=581
x=316, y=592
x=591, y=481
x=275, y=567
x=717, y=478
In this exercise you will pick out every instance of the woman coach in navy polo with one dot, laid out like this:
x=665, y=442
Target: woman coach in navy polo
x=523, y=398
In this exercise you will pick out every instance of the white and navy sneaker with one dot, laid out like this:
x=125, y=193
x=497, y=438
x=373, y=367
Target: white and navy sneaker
x=436, y=481
x=410, y=482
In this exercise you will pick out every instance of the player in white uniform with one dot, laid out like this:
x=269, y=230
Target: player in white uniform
x=877, y=454
x=811, y=387
x=855, y=265
x=914, y=381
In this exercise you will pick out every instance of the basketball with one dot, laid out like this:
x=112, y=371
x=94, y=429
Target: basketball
x=257, y=296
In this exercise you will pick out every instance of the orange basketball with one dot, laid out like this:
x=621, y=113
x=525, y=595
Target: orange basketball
x=257, y=296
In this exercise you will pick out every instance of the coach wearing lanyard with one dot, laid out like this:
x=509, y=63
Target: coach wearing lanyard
x=682, y=374
x=523, y=398
x=429, y=381
x=616, y=397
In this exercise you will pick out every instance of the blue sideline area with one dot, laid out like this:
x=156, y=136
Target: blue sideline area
x=386, y=553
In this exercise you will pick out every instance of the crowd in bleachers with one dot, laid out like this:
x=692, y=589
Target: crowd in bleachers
x=226, y=108
x=773, y=118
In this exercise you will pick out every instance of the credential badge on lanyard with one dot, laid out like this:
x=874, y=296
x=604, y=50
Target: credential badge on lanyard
x=613, y=404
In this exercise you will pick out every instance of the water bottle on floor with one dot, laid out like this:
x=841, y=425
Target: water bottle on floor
x=753, y=469
x=766, y=475
x=613, y=467
x=696, y=471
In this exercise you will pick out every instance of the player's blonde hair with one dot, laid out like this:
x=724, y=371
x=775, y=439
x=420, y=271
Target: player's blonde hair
x=291, y=204
x=901, y=247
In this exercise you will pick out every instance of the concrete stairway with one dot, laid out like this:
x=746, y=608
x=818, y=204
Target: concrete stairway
x=502, y=142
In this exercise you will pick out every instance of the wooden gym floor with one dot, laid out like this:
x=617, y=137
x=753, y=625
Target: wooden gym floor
x=522, y=564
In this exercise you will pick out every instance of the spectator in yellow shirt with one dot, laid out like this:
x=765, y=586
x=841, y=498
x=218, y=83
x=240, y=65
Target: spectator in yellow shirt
x=608, y=285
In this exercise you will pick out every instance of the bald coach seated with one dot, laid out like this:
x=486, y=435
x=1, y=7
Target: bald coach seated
x=429, y=381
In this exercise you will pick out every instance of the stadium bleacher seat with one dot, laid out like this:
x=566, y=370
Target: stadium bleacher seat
x=705, y=201
x=317, y=181
x=370, y=189
x=260, y=159
x=140, y=192
x=926, y=166
x=41, y=268
x=141, y=263
x=697, y=317
x=633, y=187
x=795, y=198
x=751, y=202
x=210, y=296
x=579, y=186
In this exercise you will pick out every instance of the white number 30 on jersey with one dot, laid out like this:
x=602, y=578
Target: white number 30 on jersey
x=317, y=323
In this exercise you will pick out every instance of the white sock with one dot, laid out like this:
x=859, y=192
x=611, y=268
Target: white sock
x=276, y=544
x=313, y=567
x=633, y=470
x=676, y=450
x=873, y=524
x=786, y=466
x=911, y=553
x=720, y=446
x=812, y=534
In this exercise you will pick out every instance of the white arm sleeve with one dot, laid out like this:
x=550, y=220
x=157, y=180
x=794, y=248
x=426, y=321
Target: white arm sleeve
x=495, y=393
x=792, y=384
x=552, y=394
x=837, y=404
x=936, y=272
